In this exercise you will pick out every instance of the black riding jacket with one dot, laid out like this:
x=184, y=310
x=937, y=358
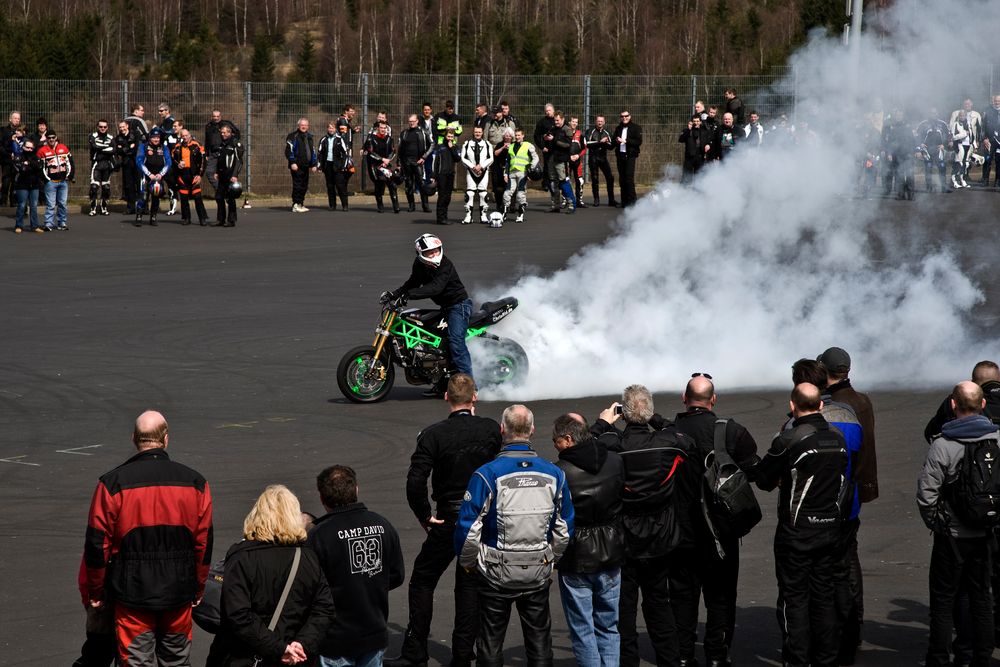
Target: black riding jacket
x=440, y=284
x=449, y=452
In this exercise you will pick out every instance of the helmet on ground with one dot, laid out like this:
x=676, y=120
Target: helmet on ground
x=429, y=188
x=496, y=219
x=156, y=189
x=430, y=250
x=397, y=177
x=534, y=173
x=235, y=189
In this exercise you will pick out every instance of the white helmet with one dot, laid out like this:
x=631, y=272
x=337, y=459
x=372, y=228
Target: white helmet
x=425, y=245
x=496, y=219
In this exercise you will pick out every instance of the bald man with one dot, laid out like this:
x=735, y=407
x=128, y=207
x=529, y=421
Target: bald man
x=987, y=375
x=697, y=570
x=809, y=463
x=960, y=558
x=148, y=548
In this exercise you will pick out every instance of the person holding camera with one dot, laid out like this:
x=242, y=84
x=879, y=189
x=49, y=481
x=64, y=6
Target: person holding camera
x=442, y=170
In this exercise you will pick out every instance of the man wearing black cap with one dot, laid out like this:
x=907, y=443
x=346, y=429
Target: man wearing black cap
x=839, y=390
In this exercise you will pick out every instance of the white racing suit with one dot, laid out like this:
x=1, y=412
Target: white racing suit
x=523, y=156
x=476, y=152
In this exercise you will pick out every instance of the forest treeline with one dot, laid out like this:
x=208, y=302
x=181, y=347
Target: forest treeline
x=325, y=40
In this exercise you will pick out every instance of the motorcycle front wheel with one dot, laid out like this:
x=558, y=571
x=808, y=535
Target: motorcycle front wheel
x=500, y=361
x=364, y=379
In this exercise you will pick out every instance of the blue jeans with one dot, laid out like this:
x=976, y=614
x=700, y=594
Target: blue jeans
x=590, y=602
x=56, y=195
x=458, y=326
x=26, y=199
x=373, y=659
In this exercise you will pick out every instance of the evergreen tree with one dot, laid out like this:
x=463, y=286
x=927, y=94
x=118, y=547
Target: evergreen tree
x=262, y=62
x=305, y=61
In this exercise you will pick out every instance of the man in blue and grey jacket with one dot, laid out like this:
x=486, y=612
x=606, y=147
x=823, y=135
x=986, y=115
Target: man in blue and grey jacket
x=514, y=524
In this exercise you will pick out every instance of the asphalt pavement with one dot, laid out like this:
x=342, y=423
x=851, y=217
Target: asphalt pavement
x=235, y=334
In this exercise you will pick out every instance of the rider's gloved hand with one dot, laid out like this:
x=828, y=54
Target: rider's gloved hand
x=385, y=297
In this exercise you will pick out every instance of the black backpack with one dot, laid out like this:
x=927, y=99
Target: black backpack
x=208, y=614
x=728, y=500
x=975, y=494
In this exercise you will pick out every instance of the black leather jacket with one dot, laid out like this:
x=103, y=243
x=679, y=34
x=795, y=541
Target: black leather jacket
x=596, y=480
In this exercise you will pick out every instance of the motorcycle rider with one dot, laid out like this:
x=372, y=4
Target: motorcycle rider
x=229, y=167
x=578, y=148
x=964, y=144
x=433, y=276
x=443, y=162
x=379, y=154
x=153, y=161
x=598, y=140
x=415, y=146
x=477, y=155
x=102, y=164
x=189, y=171
x=522, y=157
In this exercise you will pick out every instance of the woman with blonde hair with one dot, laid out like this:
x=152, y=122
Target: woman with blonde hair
x=257, y=576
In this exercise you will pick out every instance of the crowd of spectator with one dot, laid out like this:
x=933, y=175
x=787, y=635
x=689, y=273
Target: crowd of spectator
x=643, y=509
x=500, y=156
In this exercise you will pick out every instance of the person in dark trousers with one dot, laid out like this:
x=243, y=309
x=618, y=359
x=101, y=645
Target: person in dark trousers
x=697, y=142
x=599, y=142
x=334, y=155
x=126, y=145
x=434, y=276
x=256, y=572
x=302, y=159
x=558, y=146
x=808, y=549
x=415, y=147
x=991, y=142
x=148, y=548
x=7, y=159
x=443, y=164
x=447, y=453
x=229, y=168
x=360, y=554
x=652, y=457
x=514, y=524
x=189, y=172
x=153, y=162
x=628, y=145
x=542, y=128
x=213, y=144
x=102, y=165
x=961, y=556
x=379, y=153
x=701, y=571
x=498, y=169
x=590, y=574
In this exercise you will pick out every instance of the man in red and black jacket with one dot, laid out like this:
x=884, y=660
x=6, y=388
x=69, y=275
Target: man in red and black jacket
x=148, y=548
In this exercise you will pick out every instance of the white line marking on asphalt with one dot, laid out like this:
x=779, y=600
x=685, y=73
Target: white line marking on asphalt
x=13, y=459
x=75, y=450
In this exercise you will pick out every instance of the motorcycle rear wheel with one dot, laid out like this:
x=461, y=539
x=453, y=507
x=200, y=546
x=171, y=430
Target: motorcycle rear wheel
x=499, y=361
x=364, y=379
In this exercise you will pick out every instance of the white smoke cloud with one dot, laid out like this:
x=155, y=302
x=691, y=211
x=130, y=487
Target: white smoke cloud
x=766, y=258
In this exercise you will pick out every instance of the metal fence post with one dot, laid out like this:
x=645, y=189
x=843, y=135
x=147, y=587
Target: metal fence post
x=795, y=96
x=586, y=119
x=694, y=91
x=364, y=123
x=247, y=92
x=124, y=88
x=479, y=96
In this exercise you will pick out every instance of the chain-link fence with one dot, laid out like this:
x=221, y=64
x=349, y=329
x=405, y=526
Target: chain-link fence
x=267, y=112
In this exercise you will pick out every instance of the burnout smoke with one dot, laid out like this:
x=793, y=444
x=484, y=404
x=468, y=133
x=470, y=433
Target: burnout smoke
x=766, y=258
